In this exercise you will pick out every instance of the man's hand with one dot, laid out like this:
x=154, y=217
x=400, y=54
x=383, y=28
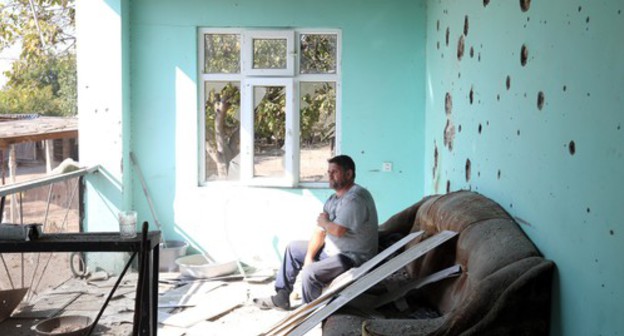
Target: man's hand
x=330, y=227
x=323, y=221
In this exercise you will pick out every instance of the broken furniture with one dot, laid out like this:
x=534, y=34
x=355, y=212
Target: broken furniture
x=504, y=287
x=145, y=246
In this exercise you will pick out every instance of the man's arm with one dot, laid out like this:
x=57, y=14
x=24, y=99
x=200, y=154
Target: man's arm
x=332, y=228
x=314, y=245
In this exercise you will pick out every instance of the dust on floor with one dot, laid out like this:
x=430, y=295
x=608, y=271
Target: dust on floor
x=186, y=307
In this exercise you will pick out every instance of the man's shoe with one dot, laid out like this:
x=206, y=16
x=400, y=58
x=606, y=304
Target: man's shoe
x=279, y=301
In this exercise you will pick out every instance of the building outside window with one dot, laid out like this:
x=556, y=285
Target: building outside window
x=271, y=101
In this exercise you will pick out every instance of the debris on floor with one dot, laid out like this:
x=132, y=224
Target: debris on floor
x=187, y=306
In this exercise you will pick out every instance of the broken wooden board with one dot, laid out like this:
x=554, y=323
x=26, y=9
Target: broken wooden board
x=369, y=280
x=218, y=303
x=446, y=273
x=340, y=282
x=188, y=295
x=193, y=288
x=46, y=306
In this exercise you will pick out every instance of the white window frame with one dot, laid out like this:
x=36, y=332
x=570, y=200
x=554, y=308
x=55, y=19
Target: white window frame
x=247, y=128
x=247, y=52
x=248, y=77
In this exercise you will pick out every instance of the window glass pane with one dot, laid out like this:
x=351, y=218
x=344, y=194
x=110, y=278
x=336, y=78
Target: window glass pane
x=269, y=53
x=269, y=130
x=318, y=129
x=318, y=54
x=222, y=53
x=222, y=113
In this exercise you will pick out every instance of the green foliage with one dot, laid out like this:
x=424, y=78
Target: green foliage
x=269, y=54
x=318, y=54
x=45, y=88
x=317, y=113
x=222, y=53
x=270, y=116
x=43, y=80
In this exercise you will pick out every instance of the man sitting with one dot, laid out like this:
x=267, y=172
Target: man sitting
x=345, y=237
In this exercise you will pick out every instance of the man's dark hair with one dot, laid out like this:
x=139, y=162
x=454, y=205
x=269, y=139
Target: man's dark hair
x=345, y=162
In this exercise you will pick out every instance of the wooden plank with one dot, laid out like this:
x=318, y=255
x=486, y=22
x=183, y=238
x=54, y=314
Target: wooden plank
x=370, y=280
x=342, y=281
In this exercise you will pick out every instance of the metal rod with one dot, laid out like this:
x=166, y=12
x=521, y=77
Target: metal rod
x=7, y=271
x=45, y=216
x=71, y=199
x=45, y=220
x=148, y=197
x=62, y=229
x=2, y=200
x=21, y=214
x=17, y=187
x=110, y=295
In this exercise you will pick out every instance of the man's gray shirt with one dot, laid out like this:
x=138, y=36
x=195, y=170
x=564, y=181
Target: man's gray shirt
x=355, y=211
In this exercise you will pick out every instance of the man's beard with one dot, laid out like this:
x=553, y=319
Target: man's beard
x=337, y=184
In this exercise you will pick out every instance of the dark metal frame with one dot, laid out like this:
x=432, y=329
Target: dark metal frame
x=146, y=245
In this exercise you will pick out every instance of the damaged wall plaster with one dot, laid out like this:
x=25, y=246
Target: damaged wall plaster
x=547, y=146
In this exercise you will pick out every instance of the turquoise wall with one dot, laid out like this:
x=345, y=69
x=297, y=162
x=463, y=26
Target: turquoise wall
x=383, y=67
x=544, y=139
x=558, y=169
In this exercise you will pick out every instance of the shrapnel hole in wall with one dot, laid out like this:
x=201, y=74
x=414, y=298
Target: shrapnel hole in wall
x=435, y=158
x=466, y=25
x=540, y=100
x=448, y=103
x=486, y=2
x=449, y=134
x=524, y=55
x=468, y=170
x=572, y=147
x=471, y=95
x=471, y=52
x=525, y=4
x=508, y=83
x=448, y=33
x=460, y=47
x=448, y=186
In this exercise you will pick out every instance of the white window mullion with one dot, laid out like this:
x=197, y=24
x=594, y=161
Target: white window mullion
x=292, y=135
x=247, y=132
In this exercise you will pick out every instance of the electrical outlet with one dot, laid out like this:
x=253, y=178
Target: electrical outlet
x=387, y=167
